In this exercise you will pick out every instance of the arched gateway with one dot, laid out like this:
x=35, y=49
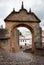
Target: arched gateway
x=26, y=19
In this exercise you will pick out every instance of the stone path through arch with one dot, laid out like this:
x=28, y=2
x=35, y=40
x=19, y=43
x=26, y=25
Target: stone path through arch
x=20, y=58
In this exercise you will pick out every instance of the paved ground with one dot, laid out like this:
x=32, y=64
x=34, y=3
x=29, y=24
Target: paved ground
x=20, y=58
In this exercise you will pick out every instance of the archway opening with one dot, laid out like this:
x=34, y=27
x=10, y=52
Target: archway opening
x=15, y=42
x=25, y=38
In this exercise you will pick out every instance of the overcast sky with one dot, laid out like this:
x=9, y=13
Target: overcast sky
x=37, y=6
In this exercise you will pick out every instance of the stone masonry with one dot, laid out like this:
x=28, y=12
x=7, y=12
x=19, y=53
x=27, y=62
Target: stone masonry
x=25, y=19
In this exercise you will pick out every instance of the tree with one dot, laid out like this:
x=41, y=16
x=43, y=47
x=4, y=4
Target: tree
x=20, y=33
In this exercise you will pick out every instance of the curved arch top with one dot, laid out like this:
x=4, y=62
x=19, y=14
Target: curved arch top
x=23, y=25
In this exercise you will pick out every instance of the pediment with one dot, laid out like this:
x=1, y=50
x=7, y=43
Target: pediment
x=22, y=15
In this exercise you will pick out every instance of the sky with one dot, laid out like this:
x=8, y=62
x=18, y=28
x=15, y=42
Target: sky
x=25, y=32
x=37, y=6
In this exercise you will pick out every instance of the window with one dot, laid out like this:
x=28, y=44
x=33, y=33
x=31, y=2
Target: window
x=23, y=40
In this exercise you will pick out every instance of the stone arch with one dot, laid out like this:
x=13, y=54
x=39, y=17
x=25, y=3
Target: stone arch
x=23, y=25
x=27, y=26
x=26, y=19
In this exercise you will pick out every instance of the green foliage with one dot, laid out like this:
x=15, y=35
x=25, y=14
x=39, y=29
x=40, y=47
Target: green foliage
x=20, y=33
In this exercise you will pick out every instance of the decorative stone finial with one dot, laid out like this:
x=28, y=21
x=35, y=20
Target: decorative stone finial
x=13, y=9
x=22, y=7
x=30, y=10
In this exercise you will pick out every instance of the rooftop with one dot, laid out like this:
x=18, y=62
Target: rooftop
x=22, y=15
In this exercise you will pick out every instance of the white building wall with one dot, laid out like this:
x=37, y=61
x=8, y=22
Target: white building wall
x=25, y=41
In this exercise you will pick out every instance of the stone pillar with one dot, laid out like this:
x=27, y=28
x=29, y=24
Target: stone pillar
x=33, y=46
x=15, y=40
x=37, y=37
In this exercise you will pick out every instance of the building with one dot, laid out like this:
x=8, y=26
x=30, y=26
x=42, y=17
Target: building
x=25, y=41
x=42, y=38
x=25, y=19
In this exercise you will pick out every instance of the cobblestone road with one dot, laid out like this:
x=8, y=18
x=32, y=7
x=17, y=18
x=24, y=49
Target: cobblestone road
x=20, y=58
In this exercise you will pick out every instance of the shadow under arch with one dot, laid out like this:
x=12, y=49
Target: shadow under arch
x=28, y=27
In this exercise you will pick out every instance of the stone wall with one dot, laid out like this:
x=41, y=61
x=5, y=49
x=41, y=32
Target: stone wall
x=42, y=38
x=34, y=26
x=9, y=38
x=4, y=39
x=15, y=40
x=5, y=44
x=42, y=44
x=38, y=37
